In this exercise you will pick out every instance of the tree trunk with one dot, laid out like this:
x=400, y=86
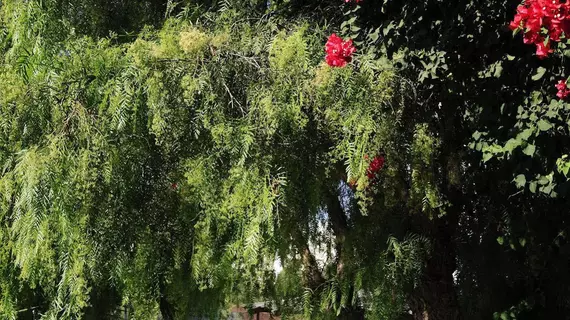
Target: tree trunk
x=436, y=298
x=339, y=225
x=166, y=309
x=312, y=276
x=351, y=314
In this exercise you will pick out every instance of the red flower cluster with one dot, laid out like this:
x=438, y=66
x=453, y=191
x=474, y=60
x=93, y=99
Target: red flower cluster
x=533, y=15
x=375, y=166
x=339, y=52
x=563, y=90
x=356, y=1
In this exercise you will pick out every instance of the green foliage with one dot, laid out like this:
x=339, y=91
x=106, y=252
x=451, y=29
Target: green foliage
x=174, y=160
x=159, y=157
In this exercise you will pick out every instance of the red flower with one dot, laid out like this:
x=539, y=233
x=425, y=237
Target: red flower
x=559, y=27
x=356, y=1
x=375, y=166
x=542, y=50
x=533, y=25
x=530, y=37
x=516, y=23
x=542, y=18
x=563, y=90
x=339, y=52
x=174, y=186
x=555, y=34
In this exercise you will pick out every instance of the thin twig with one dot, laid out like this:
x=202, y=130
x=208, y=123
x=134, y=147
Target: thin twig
x=232, y=99
x=250, y=60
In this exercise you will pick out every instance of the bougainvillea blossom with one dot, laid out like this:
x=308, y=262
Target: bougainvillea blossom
x=542, y=49
x=375, y=166
x=563, y=90
x=543, y=21
x=339, y=51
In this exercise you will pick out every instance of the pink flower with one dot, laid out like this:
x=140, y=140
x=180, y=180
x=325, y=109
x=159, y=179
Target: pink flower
x=339, y=52
x=562, y=88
